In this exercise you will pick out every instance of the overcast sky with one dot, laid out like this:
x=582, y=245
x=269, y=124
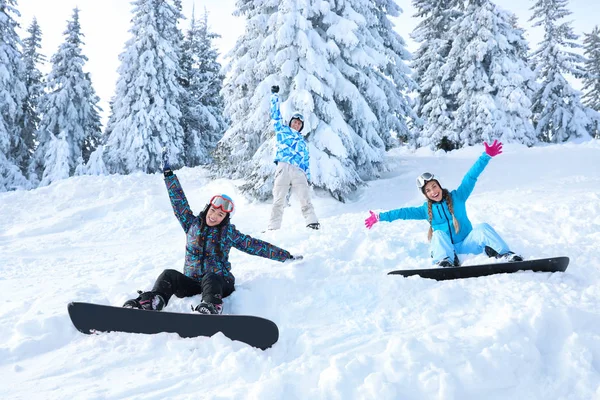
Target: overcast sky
x=106, y=24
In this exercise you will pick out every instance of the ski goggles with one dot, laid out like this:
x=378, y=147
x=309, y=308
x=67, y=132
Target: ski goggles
x=225, y=204
x=423, y=179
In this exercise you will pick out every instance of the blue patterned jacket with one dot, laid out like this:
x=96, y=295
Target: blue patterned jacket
x=207, y=248
x=291, y=146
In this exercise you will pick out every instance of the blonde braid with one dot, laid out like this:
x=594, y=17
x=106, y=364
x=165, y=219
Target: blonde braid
x=430, y=213
x=448, y=199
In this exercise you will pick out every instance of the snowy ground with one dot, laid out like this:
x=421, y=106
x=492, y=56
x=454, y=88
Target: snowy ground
x=347, y=330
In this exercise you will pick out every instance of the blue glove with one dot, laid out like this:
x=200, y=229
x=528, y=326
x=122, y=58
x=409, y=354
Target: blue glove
x=165, y=160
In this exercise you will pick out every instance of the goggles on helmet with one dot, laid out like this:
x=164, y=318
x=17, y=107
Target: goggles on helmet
x=423, y=179
x=225, y=204
x=297, y=116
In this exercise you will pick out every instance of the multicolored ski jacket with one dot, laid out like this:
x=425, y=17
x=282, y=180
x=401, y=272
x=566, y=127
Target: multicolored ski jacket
x=207, y=248
x=291, y=146
x=442, y=219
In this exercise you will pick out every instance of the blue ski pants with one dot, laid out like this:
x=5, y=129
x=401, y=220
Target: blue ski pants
x=482, y=235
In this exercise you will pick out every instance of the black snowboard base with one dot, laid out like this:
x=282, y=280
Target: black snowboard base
x=556, y=264
x=255, y=331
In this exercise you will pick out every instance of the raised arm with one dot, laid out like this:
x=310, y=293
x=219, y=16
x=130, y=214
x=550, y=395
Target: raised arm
x=180, y=205
x=282, y=132
x=256, y=247
x=468, y=183
x=275, y=112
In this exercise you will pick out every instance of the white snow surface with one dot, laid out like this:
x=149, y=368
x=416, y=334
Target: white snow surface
x=347, y=330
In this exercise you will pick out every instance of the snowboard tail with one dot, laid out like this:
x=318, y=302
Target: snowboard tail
x=255, y=331
x=556, y=264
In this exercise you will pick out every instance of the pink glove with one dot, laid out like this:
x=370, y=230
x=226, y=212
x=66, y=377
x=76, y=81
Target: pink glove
x=372, y=220
x=494, y=149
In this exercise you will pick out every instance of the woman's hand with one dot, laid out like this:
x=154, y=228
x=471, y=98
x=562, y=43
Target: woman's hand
x=372, y=220
x=165, y=160
x=494, y=149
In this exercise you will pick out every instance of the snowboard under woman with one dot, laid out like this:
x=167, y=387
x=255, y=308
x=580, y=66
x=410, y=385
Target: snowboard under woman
x=209, y=238
x=450, y=230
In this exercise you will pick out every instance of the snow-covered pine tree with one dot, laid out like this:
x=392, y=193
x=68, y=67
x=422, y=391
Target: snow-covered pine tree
x=57, y=159
x=591, y=80
x=434, y=105
x=329, y=65
x=13, y=149
x=202, y=105
x=146, y=114
x=492, y=82
x=69, y=109
x=95, y=165
x=34, y=84
x=558, y=114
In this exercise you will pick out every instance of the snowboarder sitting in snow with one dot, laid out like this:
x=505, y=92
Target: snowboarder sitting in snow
x=207, y=270
x=293, y=170
x=450, y=231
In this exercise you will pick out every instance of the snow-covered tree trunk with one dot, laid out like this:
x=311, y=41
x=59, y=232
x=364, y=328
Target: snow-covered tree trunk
x=331, y=60
x=558, y=113
x=69, y=109
x=13, y=147
x=146, y=114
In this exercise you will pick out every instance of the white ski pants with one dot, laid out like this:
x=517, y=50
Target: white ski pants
x=286, y=176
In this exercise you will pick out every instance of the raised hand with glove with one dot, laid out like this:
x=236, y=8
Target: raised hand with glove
x=165, y=161
x=494, y=149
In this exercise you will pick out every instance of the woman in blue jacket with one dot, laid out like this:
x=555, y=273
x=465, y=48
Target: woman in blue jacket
x=450, y=230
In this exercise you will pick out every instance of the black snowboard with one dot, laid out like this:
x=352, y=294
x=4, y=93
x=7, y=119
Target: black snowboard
x=556, y=264
x=255, y=331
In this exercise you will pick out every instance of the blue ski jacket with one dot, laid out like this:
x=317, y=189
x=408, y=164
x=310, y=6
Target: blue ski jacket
x=442, y=219
x=207, y=248
x=291, y=146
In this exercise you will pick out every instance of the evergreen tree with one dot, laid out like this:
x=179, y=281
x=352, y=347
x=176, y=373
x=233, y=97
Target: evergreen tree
x=95, y=165
x=70, y=112
x=146, y=113
x=330, y=60
x=57, y=159
x=558, y=113
x=202, y=105
x=435, y=106
x=591, y=80
x=492, y=83
x=13, y=149
x=34, y=83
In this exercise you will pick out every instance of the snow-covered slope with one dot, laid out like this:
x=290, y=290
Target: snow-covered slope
x=347, y=330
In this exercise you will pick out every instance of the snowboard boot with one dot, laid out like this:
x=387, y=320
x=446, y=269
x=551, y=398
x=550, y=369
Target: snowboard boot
x=146, y=301
x=445, y=263
x=490, y=252
x=209, y=308
x=510, y=257
x=314, y=226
